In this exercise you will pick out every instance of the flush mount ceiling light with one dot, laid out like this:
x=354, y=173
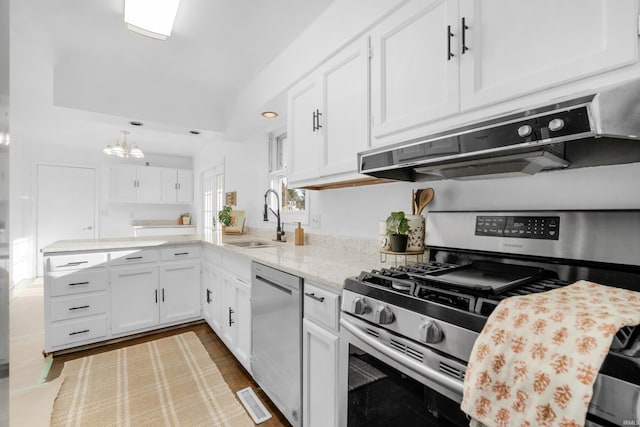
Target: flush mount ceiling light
x=123, y=149
x=269, y=114
x=152, y=18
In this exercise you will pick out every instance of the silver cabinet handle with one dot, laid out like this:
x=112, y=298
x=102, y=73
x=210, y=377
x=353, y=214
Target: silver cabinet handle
x=73, y=264
x=313, y=296
x=87, y=228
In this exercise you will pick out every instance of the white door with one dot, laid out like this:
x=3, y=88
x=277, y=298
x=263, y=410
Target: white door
x=65, y=206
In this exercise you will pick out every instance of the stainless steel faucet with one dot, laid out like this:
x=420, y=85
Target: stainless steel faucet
x=279, y=230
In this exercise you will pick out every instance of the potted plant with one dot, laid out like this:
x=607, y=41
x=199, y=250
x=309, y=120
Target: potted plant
x=186, y=218
x=224, y=216
x=398, y=231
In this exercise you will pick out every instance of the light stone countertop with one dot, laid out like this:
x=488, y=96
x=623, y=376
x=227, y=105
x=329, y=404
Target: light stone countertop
x=323, y=260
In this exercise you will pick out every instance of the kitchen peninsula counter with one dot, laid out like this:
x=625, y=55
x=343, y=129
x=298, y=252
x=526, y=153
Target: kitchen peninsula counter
x=327, y=262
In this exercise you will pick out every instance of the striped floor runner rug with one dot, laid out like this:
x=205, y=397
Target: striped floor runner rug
x=167, y=382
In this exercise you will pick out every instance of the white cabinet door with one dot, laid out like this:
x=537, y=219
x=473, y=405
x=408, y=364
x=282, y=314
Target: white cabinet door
x=243, y=323
x=123, y=184
x=212, y=296
x=345, y=109
x=236, y=309
x=517, y=47
x=169, y=178
x=179, y=291
x=185, y=186
x=303, y=133
x=320, y=376
x=413, y=79
x=134, y=298
x=149, y=185
x=177, y=185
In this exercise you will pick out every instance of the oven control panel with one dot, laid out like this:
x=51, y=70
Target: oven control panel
x=522, y=227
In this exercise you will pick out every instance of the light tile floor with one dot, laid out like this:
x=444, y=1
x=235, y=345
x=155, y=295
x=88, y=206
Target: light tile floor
x=31, y=399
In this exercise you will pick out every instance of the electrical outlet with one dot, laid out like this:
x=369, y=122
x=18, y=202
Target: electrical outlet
x=315, y=221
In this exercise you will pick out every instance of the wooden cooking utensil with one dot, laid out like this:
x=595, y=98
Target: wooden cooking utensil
x=425, y=198
x=413, y=202
x=416, y=201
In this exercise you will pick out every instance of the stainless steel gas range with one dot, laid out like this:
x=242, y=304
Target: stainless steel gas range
x=407, y=332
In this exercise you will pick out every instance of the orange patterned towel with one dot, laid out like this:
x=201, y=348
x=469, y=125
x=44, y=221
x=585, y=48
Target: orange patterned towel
x=535, y=361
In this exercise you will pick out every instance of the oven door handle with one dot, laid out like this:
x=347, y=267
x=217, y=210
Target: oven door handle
x=419, y=368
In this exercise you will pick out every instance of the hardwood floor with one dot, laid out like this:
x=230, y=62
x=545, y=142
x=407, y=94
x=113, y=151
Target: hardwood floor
x=232, y=371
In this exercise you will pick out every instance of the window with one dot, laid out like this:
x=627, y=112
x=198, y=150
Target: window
x=294, y=204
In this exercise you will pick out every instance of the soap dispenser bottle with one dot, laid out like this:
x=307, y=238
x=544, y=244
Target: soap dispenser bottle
x=299, y=235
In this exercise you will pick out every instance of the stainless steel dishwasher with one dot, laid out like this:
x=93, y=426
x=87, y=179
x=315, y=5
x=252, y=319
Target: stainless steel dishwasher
x=276, y=338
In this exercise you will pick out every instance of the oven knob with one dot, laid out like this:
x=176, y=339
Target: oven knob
x=430, y=332
x=556, y=124
x=525, y=130
x=382, y=315
x=358, y=306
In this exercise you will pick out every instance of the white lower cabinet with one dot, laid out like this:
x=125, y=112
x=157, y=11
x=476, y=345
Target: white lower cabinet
x=134, y=298
x=236, y=321
x=148, y=295
x=320, y=351
x=179, y=295
x=211, y=280
x=75, y=300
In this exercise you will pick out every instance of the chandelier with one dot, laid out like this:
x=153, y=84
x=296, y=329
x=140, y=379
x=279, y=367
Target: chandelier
x=123, y=149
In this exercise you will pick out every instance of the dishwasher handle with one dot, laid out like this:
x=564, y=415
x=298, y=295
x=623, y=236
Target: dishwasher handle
x=274, y=284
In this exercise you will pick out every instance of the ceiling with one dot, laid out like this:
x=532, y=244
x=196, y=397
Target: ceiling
x=105, y=75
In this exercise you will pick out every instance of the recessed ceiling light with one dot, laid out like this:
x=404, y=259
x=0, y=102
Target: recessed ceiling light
x=269, y=114
x=134, y=123
x=194, y=132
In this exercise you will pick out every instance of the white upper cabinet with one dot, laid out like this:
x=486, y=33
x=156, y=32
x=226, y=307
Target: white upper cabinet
x=177, y=186
x=123, y=184
x=517, y=47
x=149, y=184
x=437, y=58
x=303, y=132
x=414, y=80
x=328, y=116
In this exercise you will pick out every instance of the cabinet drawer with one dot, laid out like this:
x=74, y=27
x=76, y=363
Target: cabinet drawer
x=77, y=330
x=134, y=256
x=74, y=282
x=75, y=261
x=71, y=307
x=321, y=306
x=212, y=256
x=179, y=252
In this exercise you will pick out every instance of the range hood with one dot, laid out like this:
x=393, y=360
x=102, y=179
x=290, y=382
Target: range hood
x=589, y=130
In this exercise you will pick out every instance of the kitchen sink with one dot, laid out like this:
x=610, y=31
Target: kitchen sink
x=252, y=244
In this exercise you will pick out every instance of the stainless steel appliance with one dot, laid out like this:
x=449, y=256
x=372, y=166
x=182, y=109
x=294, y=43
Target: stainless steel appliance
x=592, y=129
x=407, y=332
x=276, y=338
